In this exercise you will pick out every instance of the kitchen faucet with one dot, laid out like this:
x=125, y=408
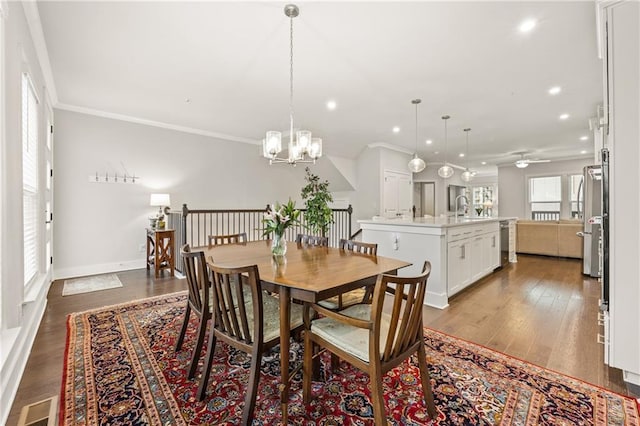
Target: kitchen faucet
x=456, y=202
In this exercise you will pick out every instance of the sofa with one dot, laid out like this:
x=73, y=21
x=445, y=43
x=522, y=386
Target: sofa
x=549, y=237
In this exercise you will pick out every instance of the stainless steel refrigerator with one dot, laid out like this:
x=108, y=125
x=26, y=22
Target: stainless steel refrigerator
x=591, y=215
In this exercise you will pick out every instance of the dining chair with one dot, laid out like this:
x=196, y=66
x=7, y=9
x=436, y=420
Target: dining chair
x=247, y=321
x=373, y=340
x=195, y=270
x=312, y=240
x=215, y=240
x=360, y=294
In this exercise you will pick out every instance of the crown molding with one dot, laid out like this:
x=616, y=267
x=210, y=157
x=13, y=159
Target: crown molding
x=37, y=35
x=169, y=126
x=389, y=146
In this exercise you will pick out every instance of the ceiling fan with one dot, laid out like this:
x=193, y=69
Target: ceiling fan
x=524, y=162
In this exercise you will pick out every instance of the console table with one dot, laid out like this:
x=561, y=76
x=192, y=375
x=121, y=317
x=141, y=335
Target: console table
x=161, y=250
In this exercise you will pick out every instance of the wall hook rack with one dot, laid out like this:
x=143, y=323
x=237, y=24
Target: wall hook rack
x=114, y=178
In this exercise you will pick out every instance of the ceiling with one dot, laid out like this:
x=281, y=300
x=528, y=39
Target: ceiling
x=223, y=68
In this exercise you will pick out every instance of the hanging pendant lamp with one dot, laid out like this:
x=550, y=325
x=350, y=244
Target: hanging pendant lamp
x=417, y=164
x=467, y=175
x=303, y=145
x=446, y=171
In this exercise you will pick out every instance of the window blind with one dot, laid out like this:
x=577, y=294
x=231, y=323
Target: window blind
x=29, y=178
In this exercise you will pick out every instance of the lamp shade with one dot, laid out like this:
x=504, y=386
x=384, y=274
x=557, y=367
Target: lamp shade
x=160, y=200
x=445, y=171
x=417, y=164
x=466, y=176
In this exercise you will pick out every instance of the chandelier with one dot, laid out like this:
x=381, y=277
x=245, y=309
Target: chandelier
x=446, y=171
x=467, y=175
x=303, y=145
x=417, y=164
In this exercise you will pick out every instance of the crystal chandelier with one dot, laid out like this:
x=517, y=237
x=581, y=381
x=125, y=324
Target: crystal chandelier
x=446, y=171
x=467, y=175
x=417, y=164
x=303, y=145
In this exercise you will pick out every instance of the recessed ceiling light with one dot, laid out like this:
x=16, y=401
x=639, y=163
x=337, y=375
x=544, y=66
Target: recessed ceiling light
x=331, y=105
x=584, y=138
x=484, y=163
x=396, y=129
x=527, y=25
x=555, y=90
x=583, y=152
x=187, y=100
x=563, y=116
x=428, y=141
x=461, y=154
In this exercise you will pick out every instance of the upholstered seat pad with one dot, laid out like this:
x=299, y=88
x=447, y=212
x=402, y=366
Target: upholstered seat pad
x=350, y=298
x=353, y=340
x=270, y=315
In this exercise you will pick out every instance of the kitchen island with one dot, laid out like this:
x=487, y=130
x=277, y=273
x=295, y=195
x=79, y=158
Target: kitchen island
x=461, y=250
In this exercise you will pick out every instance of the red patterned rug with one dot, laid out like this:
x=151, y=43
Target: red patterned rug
x=120, y=368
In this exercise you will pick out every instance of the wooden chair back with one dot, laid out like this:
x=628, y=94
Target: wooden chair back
x=405, y=321
x=359, y=247
x=196, y=272
x=312, y=240
x=237, y=322
x=216, y=240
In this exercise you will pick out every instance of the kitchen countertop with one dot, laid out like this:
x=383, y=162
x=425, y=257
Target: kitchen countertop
x=433, y=222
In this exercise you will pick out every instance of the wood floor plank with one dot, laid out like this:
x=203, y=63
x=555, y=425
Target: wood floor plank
x=541, y=309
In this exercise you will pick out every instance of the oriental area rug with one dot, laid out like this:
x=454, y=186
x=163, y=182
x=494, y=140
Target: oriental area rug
x=121, y=368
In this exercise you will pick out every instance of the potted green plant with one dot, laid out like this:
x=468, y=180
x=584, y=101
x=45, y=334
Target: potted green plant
x=317, y=197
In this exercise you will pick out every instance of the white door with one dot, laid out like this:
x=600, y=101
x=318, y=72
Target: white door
x=390, y=195
x=405, y=195
x=397, y=194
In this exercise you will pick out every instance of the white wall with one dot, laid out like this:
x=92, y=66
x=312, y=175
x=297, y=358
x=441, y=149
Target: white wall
x=623, y=89
x=21, y=311
x=430, y=174
x=100, y=227
x=512, y=182
x=367, y=197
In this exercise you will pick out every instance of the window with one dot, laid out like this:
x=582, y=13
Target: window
x=555, y=197
x=576, y=197
x=545, y=197
x=29, y=178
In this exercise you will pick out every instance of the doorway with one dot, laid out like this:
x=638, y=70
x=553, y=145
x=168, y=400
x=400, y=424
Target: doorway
x=424, y=199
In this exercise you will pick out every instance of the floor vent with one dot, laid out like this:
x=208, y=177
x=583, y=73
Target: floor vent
x=42, y=413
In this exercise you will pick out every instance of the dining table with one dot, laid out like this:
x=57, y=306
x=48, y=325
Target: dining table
x=306, y=274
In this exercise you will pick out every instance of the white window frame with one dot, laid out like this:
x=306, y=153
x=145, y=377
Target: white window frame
x=565, y=192
x=31, y=272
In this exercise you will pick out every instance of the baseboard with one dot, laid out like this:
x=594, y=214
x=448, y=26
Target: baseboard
x=631, y=377
x=18, y=354
x=104, y=268
x=436, y=300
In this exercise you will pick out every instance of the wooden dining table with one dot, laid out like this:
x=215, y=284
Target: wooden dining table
x=305, y=273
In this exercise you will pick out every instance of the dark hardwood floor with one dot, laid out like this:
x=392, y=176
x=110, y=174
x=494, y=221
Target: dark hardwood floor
x=541, y=309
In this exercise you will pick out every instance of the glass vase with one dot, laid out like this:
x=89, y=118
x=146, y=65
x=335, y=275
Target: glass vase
x=278, y=245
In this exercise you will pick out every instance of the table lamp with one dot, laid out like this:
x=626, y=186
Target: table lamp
x=160, y=201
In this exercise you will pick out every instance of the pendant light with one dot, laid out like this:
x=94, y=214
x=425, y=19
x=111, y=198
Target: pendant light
x=467, y=175
x=445, y=171
x=417, y=164
x=303, y=144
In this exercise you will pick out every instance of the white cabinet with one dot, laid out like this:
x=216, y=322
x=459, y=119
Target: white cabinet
x=396, y=194
x=458, y=267
x=472, y=252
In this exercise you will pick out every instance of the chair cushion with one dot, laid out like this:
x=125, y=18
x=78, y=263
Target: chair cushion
x=271, y=316
x=353, y=340
x=350, y=298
